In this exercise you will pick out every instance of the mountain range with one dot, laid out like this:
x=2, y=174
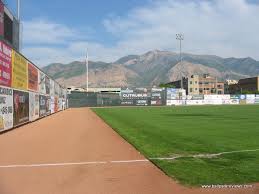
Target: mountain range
x=151, y=68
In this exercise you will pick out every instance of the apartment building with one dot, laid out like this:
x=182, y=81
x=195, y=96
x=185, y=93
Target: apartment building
x=200, y=84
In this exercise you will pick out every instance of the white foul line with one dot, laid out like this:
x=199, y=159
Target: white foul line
x=121, y=161
x=70, y=164
x=50, y=164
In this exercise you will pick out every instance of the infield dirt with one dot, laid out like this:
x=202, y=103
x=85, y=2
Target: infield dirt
x=78, y=135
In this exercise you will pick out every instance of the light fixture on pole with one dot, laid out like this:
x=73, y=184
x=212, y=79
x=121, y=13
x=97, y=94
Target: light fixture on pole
x=180, y=37
x=86, y=64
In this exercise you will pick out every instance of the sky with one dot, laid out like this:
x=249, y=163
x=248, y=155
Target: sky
x=62, y=31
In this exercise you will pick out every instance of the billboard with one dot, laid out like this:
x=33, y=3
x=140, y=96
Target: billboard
x=175, y=102
x=137, y=97
x=34, y=106
x=52, y=104
x=157, y=96
x=250, y=98
x=1, y=18
x=42, y=87
x=43, y=102
x=257, y=99
x=56, y=104
x=56, y=88
x=21, y=107
x=20, y=71
x=175, y=94
x=48, y=105
x=59, y=104
x=5, y=64
x=47, y=84
x=6, y=108
x=52, y=87
x=33, y=75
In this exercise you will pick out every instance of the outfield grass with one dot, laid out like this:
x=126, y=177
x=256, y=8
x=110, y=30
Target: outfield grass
x=170, y=131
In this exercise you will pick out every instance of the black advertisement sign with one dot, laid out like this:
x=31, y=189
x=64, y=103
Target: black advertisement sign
x=137, y=97
x=47, y=85
x=157, y=96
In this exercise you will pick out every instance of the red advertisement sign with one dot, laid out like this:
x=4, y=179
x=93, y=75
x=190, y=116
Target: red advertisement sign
x=5, y=64
x=33, y=77
x=1, y=18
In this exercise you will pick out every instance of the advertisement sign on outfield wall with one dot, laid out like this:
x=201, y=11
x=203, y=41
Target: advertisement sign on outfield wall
x=59, y=104
x=6, y=108
x=5, y=64
x=34, y=106
x=52, y=104
x=43, y=102
x=175, y=94
x=157, y=96
x=1, y=18
x=21, y=107
x=42, y=86
x=47, y=84
x=56, y=88
x=33, y=75
x=257, y=99
x=20, y=71
x=52, y=88
x=48, y=106
x=56, y=104
x=138, y=97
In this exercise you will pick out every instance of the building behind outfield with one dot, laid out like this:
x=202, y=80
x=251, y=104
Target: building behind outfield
x=245, y=85
x=200, y=85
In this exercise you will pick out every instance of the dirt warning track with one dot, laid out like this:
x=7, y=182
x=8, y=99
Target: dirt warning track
x=75, y=152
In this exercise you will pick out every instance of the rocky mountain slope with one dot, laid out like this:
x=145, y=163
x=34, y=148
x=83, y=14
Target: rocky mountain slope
x=151, y=68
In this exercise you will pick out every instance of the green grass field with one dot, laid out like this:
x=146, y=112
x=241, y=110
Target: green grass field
x=171, y=131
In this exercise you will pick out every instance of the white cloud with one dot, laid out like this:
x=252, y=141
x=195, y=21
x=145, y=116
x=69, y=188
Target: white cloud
x=45, y=32
x=222, y=27
x=227, y=28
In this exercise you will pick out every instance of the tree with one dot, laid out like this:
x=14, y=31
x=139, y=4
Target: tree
x=166, y=85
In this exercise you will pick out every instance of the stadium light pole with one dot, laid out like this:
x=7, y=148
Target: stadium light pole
x=180, y=37
x=19, y=24
x=86, y=64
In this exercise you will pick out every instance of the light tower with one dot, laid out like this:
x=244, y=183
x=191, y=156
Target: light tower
x=86, y=64
x=180, y=37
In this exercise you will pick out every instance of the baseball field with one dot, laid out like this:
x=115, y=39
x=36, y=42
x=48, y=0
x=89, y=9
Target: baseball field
x=198, y=145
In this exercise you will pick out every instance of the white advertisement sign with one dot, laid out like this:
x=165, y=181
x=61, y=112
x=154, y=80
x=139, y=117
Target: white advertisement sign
x=34, y=106
x=6, y=108
x=42, y=84
x=52, y=104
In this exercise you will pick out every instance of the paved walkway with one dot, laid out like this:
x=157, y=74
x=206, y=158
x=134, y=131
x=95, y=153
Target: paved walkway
x=75, y=152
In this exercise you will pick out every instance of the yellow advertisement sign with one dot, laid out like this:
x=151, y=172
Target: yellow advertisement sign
x=19, y=72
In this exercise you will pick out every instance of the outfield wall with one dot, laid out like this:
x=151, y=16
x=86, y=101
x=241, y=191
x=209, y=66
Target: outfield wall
x=26, y=92
x=155, y=97
x=176, y=97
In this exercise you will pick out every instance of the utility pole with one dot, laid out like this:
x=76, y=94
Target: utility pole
x=86, y=64
x=180, y=37
x=19, y=24
x=18, y=9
